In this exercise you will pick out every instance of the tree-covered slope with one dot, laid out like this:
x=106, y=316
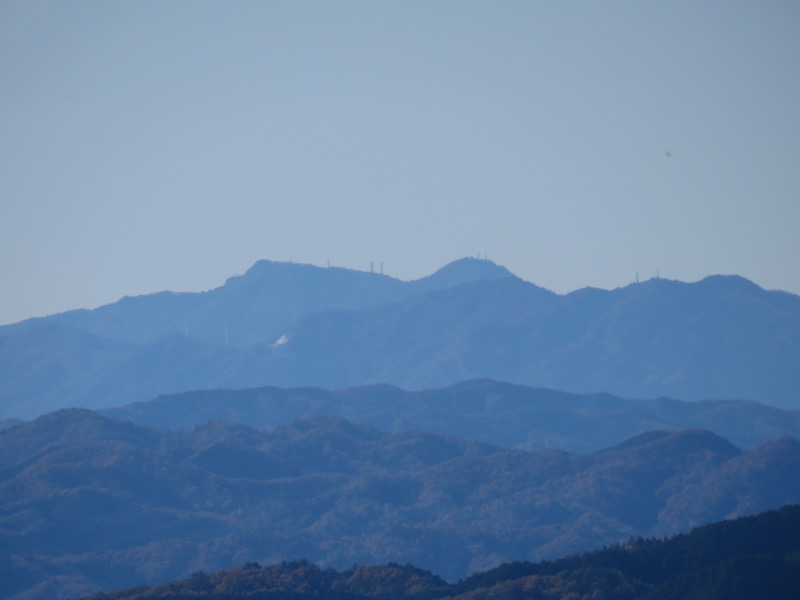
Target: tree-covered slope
x=88, y=502
x=498, y=413
x=752, y=557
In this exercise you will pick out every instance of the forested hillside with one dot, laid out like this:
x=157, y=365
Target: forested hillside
x=88, y=502
x=755, y=557
x=503, y=414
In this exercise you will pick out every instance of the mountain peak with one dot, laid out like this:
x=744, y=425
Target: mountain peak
x=682, y=441
x=465, y=270
x=729, y=283
x=270, y=269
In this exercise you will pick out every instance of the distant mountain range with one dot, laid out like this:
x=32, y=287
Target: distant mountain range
x=741, y=559
x=257, y=307
x=295, y=325
x=501, y=414
x=88, y=502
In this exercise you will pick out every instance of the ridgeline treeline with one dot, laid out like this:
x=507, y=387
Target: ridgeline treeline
x=750, y=557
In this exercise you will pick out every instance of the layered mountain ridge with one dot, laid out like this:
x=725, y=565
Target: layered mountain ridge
x=501, y=414
x=291, y=325
x=88, y=502
x=749, y=557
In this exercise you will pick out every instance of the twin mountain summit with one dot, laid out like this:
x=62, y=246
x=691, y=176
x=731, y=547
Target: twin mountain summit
x=455, y=422
x=290, y=325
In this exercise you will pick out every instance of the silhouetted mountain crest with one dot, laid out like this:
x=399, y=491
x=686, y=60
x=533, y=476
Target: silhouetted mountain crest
x=499, y=413
x=642, y=439
x=464, y=270
x=293, y=325
x=70, y=424
x=774, y=450
x=256, y=306
x=703, y=440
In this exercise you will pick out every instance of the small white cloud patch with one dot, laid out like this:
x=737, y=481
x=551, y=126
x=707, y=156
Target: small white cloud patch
x=280, y=341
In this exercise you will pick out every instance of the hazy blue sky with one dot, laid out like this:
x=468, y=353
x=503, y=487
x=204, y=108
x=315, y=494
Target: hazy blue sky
x=149, y=145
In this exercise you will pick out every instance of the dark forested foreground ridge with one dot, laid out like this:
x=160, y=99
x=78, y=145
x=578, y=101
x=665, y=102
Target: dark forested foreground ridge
x=292, y=325
x=90, y=503
x=751, y=557
x=502, y=414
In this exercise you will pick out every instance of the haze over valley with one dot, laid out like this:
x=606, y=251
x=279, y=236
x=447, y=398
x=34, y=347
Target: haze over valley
x=455, y=422
x=399, y=300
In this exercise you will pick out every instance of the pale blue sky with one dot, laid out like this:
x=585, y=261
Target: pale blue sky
x=150, y=145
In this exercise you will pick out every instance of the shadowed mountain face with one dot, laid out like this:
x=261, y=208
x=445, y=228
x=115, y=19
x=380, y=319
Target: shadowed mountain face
x=88, y=502
x=502, y=414
x=298, y=325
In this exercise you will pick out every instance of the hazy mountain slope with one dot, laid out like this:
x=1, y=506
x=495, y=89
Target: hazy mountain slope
x=723, y=337
x=88, y=502
x=54, y=365
x=257, y=306
x=751, y=557
x=132, y=349
x=717, y=338
x=474, y=330
x=43, y=365
x=497, y=413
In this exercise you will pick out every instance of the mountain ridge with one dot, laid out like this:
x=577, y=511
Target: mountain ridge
x=499, y=413
x=292, y=325
x=190, y=312
x=744, y=558
x=97, y=501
